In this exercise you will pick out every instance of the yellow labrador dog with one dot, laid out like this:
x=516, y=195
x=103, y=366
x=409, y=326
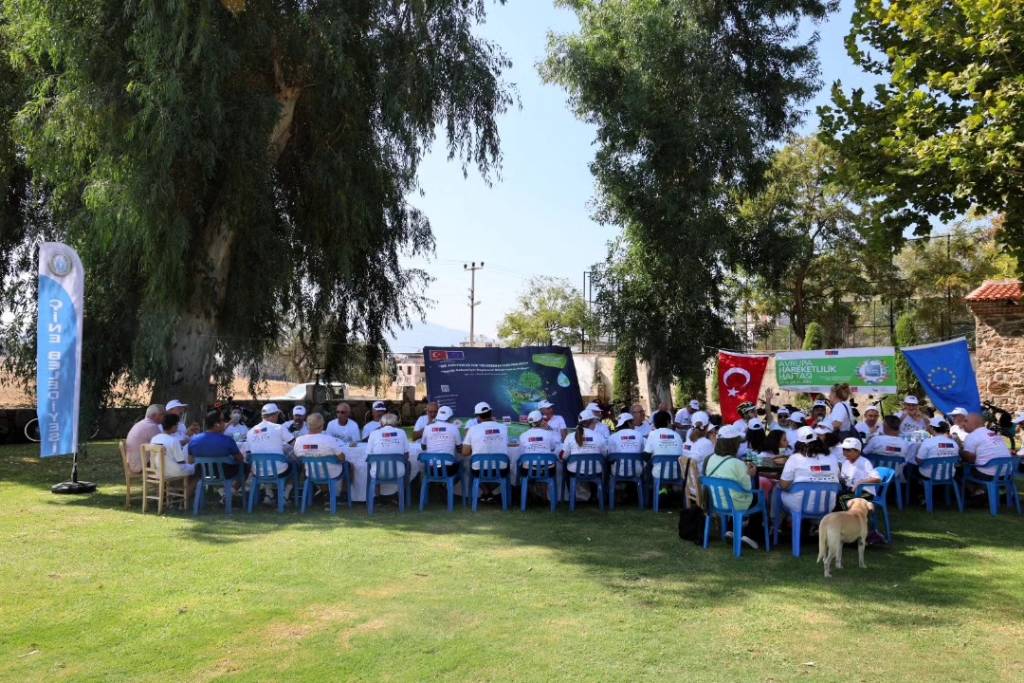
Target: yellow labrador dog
x=838, y=528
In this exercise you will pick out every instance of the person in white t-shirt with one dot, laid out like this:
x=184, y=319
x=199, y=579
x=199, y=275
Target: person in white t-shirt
x=316, y=443
x=440, y=436
x=810, y=463
x=664, y=441
x=599, y=426
x=297, y=425
x=856, y=470
x=343, y=427
x=175, y=461
x=911, y=419
x=555, y=423
x=796, y=421
x=236, y=429
x=584, y=440
x=889, y=443
x=379, y=409
x=683, y=415
x=938, y=445
x=538, y=440
x=981, y=446
x=957, y=419
x=486, y=436
x=699, y=442
x=641, y=424
x=388, y=439
x=871, y=425
x=423, y=420
x=625, y=439
x=840, y=416
x=269, y=437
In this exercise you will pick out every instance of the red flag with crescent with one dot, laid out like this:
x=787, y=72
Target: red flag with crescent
x=739, y=381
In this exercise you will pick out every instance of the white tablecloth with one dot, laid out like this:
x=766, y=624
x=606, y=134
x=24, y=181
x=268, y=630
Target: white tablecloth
x=356, y=457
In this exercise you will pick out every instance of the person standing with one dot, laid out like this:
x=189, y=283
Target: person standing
x=343, y=428
x=379, y=408
x=840, y=416
x=297, y=425
x=142, y=432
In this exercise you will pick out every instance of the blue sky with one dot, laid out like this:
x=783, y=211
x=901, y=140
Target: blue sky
x=536, y=219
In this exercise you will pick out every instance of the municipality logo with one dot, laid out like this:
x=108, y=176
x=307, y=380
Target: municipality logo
x=60, y=265
x=873, y=372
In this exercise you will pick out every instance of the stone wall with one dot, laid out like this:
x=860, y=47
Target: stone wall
x=1000, y=352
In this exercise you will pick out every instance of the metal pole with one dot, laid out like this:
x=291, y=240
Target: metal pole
x=473, y=303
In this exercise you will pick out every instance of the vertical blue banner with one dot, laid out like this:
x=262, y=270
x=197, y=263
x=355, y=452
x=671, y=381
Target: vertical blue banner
x=512, y=381
x=59, y=348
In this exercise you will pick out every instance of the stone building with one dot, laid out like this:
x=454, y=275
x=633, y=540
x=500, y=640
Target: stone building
x=999, y=323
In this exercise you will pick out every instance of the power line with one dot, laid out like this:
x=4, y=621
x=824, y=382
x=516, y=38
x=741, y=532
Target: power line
x=473, y=303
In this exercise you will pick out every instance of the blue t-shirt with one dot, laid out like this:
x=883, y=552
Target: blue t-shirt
x=212, y=445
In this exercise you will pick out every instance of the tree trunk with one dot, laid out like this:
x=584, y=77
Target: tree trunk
x=658, y=383
x=193, y=342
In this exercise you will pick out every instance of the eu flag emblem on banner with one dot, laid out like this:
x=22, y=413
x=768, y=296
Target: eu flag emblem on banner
x=945, y=371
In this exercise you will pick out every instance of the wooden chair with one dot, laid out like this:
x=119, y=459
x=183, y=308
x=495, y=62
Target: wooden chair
x=691, y=492
x=129, y=476
x=153, y=473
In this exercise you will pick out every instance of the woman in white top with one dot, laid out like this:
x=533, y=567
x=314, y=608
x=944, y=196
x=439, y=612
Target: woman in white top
x=625, y=439
x=699, y=442
x=175, y=463
x=840, y=418
x=584, y=440
x=810, y=463
x=664, y=441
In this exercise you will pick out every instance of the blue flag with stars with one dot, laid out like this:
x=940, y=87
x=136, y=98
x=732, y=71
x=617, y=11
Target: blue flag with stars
x=945, y=371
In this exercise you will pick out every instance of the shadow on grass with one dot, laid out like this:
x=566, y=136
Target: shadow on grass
x=919, y=581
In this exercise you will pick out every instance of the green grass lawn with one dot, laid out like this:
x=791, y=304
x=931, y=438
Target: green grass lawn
x=90, y=591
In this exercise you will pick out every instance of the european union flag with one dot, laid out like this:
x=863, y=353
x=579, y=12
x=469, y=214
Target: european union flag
x=944, y=370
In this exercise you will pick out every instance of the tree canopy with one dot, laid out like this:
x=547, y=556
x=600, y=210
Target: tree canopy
x=687, y=97
x=944, y=130
x=230, y=172
x=550, y=311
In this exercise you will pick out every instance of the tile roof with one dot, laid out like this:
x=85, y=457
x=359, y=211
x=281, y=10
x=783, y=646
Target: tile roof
x=997, y=290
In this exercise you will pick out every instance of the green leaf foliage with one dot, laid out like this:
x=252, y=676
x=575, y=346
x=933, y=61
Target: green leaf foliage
x=906, y=335
x=550, y=311
x=624, y=377
x=815, y=337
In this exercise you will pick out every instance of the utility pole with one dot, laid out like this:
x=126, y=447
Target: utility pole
x=473, y=303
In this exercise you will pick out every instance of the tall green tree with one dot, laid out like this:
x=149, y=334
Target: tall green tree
x=688, y=97
x=624, y=377
x=906, y=335
x=550, y=311
x=942, y=132
x=232, y=170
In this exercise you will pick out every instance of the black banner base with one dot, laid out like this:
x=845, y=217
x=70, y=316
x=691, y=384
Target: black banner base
x=73, y=487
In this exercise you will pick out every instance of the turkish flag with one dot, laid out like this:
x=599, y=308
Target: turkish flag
x=739, y=381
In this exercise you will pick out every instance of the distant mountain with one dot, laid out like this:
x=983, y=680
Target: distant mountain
x=426, y=334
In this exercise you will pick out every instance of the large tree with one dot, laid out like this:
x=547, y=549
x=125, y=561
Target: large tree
x=944, y=130
x=550, y=311
x=229, y=170
x=688, y=97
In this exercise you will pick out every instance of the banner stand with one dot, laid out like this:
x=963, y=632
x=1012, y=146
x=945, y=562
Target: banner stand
x=74, y=486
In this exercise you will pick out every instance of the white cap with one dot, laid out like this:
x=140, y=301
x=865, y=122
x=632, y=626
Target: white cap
x=694, y=404
x=623, y=419
x=937, y=422
x=175, y=403
x=805, y=435
x=481, y=408
x=535, y=416
x=957, y=411
x=587, y=415
x=299, y=410
x=851, y=443
x=379, y=405
x=700, y=417
x=755, y=424
x=820, y=403
x=544, y=405
x=783, y=410
x=910, y=400
x=797, y=417
x=874, y=408
x=822, y=429
x=270, y=409
x=444, y=413
x=730, y=432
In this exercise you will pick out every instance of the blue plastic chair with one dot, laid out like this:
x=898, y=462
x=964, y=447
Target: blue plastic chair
x=435, y=472
x=589, y=468
x=540, y=467
x=318, y=475
x=211, y=473
x=895, y=463
x=386, y=468
x=818, y=500
x=720, y=503
x=264, y=473
x=940, y=472
x=494, y=468
x=626, y=467
x=1005, y=472
x=880, y=501
x=670, y=473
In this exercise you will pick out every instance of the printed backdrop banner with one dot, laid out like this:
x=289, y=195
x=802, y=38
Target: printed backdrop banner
x=739, y=381
x=59, y=348
x=512, y=381
x=867, y=370
x=946, y=373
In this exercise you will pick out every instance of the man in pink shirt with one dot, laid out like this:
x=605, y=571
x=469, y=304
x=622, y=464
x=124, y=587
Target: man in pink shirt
x=141, y=433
